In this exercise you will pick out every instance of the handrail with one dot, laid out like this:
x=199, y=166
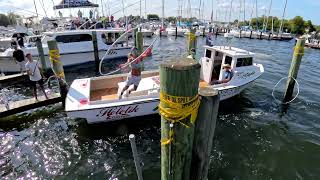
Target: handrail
x=126, y=64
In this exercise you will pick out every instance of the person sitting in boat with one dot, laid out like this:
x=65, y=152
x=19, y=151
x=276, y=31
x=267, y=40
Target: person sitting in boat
x=227, y=76
x=134, y=77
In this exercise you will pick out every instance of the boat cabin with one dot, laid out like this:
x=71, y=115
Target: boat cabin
x=84, y=37
x=216, y=56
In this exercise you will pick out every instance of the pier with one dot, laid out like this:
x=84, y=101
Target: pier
x=28, y=104
x=7, y=79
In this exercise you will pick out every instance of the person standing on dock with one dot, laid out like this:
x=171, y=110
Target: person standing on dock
x=32, y=67
x=134, y=76
x=18, y=56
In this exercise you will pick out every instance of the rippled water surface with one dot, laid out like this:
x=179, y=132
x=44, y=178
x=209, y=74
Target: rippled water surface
x=254, y=139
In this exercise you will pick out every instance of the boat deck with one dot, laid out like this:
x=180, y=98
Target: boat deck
x=111, y=93
x=104, y=94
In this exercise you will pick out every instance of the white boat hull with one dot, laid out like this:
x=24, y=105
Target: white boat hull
x=136, y=108
x=8, y=65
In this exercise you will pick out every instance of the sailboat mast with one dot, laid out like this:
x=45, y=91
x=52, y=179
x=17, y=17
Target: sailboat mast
x=200, y=9
x=102, y=8
x=257, y=14
x=284, y=12
x=145, y=8
x=265, y=28
x=244, y=10
x=230, y=12
x=34, y=2
x=162, y=14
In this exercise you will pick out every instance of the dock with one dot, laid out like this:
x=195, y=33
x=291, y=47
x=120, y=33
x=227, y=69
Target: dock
x=28, y=104
x=13, y=78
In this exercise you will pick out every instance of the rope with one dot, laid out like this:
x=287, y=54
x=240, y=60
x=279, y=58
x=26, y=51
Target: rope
x=177, y=108
x=128, y=63
x=280, y=102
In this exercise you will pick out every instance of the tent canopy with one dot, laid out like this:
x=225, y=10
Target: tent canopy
x=64, y=4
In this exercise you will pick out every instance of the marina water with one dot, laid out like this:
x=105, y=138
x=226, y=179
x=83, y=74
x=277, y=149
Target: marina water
x=254, y=139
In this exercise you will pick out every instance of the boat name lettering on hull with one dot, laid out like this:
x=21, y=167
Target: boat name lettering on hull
x=118, y=112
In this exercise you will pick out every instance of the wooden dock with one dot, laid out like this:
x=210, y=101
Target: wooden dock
x=28, y=104
x=14, y=78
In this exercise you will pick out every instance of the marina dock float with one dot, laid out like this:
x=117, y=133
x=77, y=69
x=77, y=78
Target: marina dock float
x=28, y=104
x=13, y=78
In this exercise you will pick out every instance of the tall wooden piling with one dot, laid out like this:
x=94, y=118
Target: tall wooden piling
x=41, y=55
x=135, y=156
x=250, y=34
x=176, y=32
x=95, y=51
x=204, y=132
x=178, y=107
x=192, y=43
x=139, y=45
x=294, y=69
x=57, y=68
x=204, y=32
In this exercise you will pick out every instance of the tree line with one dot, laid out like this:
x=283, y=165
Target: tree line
x=9, y=19
x=297, y=25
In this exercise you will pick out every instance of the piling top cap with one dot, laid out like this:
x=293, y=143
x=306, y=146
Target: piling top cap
x=180, y=64
x=208, y=91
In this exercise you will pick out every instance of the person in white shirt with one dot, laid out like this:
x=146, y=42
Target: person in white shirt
x=32, y=68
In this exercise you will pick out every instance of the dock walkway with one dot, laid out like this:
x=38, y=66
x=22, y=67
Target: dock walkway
x=28, y=104
x=13, y=78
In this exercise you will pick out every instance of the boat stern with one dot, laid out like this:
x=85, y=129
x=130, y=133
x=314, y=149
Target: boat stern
x=78, y=97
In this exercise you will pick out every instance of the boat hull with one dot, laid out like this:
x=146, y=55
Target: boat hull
x=137, y=108
x=8, y=65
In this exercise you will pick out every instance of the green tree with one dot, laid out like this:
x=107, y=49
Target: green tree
x=152, y=17
x=297, y=25
x=171, y=19
x=309, y=26
x=4, y=20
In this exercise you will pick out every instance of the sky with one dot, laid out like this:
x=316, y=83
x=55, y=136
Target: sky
x=308, y=9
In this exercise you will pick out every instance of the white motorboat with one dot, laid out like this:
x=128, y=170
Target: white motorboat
x=75, y=47
x=172, y=32
x=96, y=99
x=147, y=32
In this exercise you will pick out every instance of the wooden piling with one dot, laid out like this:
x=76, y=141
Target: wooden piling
x=294, y=69
x=204, y=32
x=179, y=83
x=192, y=43
x=41, y=56
x=95, y=51
x=250, y=34
x=57, y=68
x=260, y=35
x=240, y=33
x=135, y=156
x=139, y=42
x=139, y=45
x=176, y=32
x=204, y=132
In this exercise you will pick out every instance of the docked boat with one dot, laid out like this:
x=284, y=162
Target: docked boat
x=147, y=32
x=172, y=32
x=97, y=99
x=75, y=47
